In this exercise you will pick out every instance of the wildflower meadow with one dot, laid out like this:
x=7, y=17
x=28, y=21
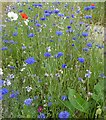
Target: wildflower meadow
x=52, y=60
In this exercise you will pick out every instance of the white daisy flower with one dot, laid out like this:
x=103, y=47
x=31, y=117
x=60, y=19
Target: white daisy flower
x=12, y=16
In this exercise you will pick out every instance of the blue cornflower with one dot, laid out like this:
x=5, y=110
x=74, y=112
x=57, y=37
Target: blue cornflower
x=12, y=42
x=67, y=16
x=20, y=11
x=64, y=114
x=64, y=66
x=88, y=16
x=69, y=31
x=1, y=82
x=56, y=11
x=12, y=67
x=85, y=34
x=23, y=47
x=60, y=14
x=14, y=95
x=4, y=91
x=81, y=23
x=72, y=8
x=87, y=8
x=85, y=49
x=49, y=104
x=72, y=16
x=51, y=40
x=46, y=11
x=64, y=97
x=71, y=21
x=6, y=41
x=38, y=24
x=68, y=27
x=92, y=7
x=15, y=33
x=78, y=11
x=58, y=55
x=81, y=60
x=89, y=45
x=47, y=14
x=74, y=38
x=73, y=45
x=47, y=54
x=4, y=48
x=59, y=33
x=40, y=5
x=43, y=18
x=31, y=35
x=28, y=101
x=42, y=115
x=30, y=60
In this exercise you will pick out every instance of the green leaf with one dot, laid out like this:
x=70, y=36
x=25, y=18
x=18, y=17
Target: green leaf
x=98, y=94
x=68, y=105
x=77, y=101
x=99, y=87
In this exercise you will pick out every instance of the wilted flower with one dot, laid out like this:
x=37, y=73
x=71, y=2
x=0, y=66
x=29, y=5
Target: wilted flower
x=40, y=108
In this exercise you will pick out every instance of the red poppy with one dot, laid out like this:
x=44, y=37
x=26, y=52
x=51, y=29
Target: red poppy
x=92, y=4
x=40, y=108
x=24, y=16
